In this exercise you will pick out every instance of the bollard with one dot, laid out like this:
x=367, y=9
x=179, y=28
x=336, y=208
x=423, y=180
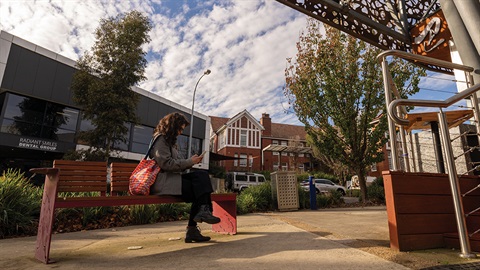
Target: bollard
x=313, y=194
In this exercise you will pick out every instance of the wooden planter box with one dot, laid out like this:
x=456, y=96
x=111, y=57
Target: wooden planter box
x=420, y=209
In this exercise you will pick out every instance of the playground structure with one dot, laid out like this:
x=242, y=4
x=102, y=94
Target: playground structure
x=443, y=37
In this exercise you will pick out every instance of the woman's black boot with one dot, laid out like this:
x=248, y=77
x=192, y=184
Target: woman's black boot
x=194, y=235
x=205, y=215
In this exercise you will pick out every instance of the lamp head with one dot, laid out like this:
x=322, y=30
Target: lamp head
x=207, y=72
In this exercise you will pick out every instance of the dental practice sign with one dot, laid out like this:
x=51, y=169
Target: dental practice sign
x=37, y=144
x=431, y=36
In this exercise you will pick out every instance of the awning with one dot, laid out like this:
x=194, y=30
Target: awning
x=422, y=120
x=216, y=157
x=288, y=149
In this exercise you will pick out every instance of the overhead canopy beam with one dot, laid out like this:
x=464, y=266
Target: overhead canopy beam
x=372, y=21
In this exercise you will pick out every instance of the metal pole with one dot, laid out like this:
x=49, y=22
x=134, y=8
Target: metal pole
x=413, y=152
x=437, y=146
x=461, y=17
x=189, y=153
x=403, y=139
x=391, y=124
x=313, y=193
x=455, y=186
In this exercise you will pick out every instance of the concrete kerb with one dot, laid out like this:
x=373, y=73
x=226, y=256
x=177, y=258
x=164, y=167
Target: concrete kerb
x=264, y=241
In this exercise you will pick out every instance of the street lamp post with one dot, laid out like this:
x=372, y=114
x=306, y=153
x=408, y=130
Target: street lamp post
x=189, y=154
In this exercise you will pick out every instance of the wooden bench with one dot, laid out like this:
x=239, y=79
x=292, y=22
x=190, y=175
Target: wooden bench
x=83, y=176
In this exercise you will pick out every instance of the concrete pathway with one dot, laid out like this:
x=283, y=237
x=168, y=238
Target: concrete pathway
x=264, y=241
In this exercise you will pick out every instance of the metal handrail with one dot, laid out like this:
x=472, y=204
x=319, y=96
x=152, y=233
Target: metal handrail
x=392, y=112
x=394, y=109
x=423, y=59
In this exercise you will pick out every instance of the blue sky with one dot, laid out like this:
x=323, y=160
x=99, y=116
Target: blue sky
x=245, y=43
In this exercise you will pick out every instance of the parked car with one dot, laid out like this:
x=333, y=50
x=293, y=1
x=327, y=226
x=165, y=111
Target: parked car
x=239, y=181
x=323, y=185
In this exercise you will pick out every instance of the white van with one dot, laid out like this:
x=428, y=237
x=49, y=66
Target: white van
x=238, y=181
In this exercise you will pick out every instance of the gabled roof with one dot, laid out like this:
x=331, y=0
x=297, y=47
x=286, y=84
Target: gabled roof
x=246, y=114
x=281, y=131
x=220, y=122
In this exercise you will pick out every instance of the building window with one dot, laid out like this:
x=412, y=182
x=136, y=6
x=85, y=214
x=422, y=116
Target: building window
x=301, y=155
x=141, y=138
x=235, y=161
x=250, y=161
x=283, y=143
x=274, y=142
x=275, y=153
x=38, y=118
x=123, y=145
x=390, y=166
x=243, y=138
x=221, y=140
x=374, y=167
x=284, y=153
x=243, y=160
x=284, y=166
x=301, y=168
x=275, y=166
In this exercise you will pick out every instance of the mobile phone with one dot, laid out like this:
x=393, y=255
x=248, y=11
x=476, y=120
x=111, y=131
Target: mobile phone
x=203, y=153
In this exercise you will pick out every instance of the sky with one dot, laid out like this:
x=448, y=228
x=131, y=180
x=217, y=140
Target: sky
x=245, y=44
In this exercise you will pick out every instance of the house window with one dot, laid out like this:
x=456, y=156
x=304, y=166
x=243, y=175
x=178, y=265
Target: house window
x=283, y=143
x=274, y=142
x=300, y=155
x=243, y=138
x=284, y=166
x=284, y=153
x=243, y=160
x=374, y=167
x=235, y=161
x=221, y=140
x=275, y=153
x=301, y=168
x=390, y=166
x=275, y=166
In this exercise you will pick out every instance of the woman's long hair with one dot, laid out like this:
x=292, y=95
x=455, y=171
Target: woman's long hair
x=169, y=126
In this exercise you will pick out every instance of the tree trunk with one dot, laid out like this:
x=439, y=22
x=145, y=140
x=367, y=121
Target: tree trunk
x=363, y=185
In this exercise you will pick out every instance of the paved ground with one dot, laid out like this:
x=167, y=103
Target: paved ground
x=324, y=239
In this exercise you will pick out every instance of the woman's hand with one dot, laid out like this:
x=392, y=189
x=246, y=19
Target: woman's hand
x=196, y=159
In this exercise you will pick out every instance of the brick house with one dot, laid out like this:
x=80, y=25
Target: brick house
x=259, y=145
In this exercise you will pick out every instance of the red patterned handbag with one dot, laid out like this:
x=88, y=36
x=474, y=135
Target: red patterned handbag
x=144, y=175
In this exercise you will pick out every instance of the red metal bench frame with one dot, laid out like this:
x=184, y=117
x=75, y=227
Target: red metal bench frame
x=86, y=177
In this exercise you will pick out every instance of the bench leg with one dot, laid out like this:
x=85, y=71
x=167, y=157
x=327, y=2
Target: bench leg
x=47, y=212
x=227, y=212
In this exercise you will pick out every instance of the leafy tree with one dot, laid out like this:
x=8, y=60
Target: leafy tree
x=335, y=87
x=101, y=86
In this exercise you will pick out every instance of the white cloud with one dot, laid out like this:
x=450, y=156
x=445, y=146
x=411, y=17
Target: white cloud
x=244, y=42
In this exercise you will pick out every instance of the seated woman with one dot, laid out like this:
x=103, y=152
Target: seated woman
x=194, y=187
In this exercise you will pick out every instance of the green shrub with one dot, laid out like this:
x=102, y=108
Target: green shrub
x=329, y=199
x=255, y=199
x=303, y=198
x=354, y=193
x=376, y=192
x=20, y=204
x=152, y=213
